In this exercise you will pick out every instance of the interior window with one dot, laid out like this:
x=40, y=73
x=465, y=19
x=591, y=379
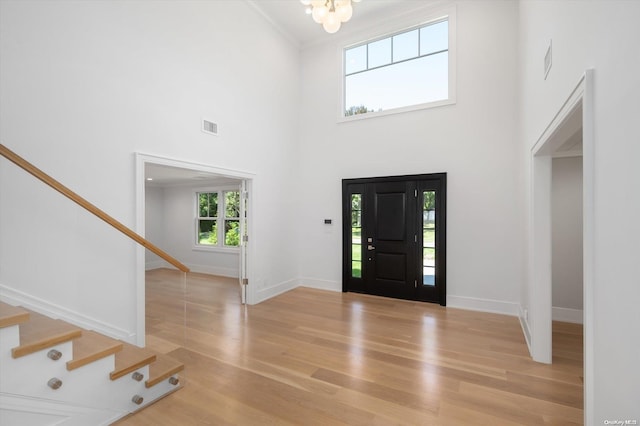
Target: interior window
x=218, y=221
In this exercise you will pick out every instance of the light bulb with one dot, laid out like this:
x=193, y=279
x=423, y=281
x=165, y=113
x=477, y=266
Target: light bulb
x=319, y=14
x=331, y=23
x=344, y=12
x=318, y=3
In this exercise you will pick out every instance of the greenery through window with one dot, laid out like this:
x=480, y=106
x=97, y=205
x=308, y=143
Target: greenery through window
x=405, y=69
x=429, y=238
x=218, y=210
x=356, y=235
x=232, y=218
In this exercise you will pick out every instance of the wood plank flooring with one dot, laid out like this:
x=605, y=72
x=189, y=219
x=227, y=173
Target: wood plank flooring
x=315, y=357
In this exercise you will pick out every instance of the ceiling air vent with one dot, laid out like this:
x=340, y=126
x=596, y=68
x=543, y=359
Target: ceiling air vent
x=210, y=127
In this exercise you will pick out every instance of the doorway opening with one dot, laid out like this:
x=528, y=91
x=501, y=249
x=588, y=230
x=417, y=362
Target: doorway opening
x=569, y=134
x=394, y=236
x=566, y=233
x=169, y=211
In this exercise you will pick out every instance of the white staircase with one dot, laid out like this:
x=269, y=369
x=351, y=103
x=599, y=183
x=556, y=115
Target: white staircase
x=54, y=373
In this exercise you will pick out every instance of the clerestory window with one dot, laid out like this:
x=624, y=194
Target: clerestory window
x=410, y=68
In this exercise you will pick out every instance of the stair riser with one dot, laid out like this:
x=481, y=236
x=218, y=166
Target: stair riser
x=9, y=338
x=158, y=391
x=28, y=375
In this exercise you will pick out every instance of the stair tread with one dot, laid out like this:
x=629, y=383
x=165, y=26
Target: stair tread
x=92, y=346
x=130, y=358
x=12, y=315
x=42, y=332
x=163, y=368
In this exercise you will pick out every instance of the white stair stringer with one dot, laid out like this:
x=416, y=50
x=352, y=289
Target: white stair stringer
x=87, y=396
x=26, y=411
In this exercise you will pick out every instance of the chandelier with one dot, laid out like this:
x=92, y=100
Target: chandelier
x=330, y=13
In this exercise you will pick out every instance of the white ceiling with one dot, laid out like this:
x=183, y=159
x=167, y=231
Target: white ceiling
x=170, y=176
x=290, y=18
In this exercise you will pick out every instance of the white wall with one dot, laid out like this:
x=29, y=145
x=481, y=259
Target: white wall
x=566, y=239
x=85, y=85
x=176, y=232
x=154, y=221
x=602, y=35
x=473, y=141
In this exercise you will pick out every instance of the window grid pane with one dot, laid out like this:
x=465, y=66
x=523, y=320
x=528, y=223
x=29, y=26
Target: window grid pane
x=213, y=204
x=356, y=235
x=356, y=59
x=232, y=233
x=208, y=204
x=434, y=38
x=429, y=238
x=232, y=204
x=208, y=232
x=379, y=53
x=405, y=46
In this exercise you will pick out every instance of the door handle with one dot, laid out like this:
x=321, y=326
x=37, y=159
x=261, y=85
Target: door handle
x=370, y=247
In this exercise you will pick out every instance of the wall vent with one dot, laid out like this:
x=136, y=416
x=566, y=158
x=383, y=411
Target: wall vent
x=210, y=127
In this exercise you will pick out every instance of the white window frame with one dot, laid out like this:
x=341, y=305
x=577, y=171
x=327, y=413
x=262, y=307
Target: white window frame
x=219, y=247
x=402, y=26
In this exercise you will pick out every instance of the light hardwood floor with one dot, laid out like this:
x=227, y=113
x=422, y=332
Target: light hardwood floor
x=315, y=357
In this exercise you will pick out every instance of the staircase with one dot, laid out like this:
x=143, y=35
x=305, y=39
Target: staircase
x=54, y=373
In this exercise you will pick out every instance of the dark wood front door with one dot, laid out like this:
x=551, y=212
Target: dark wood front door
x=394, y=237
x=390, y=255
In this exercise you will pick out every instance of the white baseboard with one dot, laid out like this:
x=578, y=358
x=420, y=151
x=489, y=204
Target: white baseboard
x=213, y=270
x=320, y=284
x=272, y=291
x=526, y=330
x=567, y=315
x=483, y=305
x=201, y=269
x=16, y=297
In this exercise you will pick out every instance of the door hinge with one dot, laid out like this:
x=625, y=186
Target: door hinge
x=415, y=192
x=245, y=238
x=415, y=238
x=415, y=283
x=245, y=195
x=245, y=281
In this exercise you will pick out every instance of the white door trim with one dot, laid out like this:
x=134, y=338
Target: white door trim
x=540, y=232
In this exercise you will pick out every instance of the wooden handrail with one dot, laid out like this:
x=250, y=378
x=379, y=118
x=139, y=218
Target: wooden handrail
x=33, y=170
